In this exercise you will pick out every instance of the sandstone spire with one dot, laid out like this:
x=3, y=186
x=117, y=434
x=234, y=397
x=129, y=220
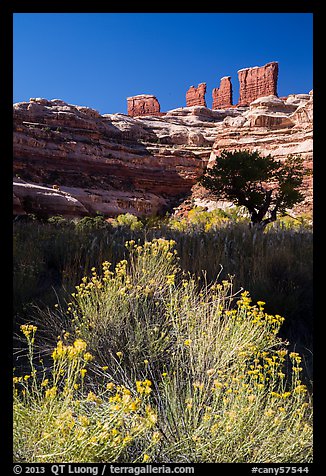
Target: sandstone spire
x=257, y=82
x=196, y=96
x=222, y=96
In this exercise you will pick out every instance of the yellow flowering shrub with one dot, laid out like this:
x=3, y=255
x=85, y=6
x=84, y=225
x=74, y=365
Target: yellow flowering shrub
x=58, y=420
x=159, y=366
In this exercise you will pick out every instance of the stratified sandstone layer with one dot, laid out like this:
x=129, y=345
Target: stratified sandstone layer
x=143, y=105
x=70, y=160
x=257, y=82
x=275, y=127
x=196, y=96
x=222, y=96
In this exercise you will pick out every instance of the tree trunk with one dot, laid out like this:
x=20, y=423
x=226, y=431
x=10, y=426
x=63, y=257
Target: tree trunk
x=259, y=224
x=257, y=217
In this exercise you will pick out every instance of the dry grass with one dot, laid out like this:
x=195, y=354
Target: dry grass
x=154, y=366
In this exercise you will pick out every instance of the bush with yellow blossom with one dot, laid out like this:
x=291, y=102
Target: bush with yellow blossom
x=58, y=419
x=160, y=367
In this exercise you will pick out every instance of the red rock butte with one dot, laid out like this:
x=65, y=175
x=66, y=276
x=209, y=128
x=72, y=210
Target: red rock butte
x=196, y=96
x=143, y=105
x=222, y=96
x=257, y=82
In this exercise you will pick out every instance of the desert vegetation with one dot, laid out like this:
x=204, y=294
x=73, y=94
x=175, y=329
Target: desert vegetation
x=165, y=340
x=263, y=185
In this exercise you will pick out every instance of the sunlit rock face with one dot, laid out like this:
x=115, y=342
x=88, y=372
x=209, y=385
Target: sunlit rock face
x=143, y=105
x=222, y=96
x=276, y=127
x=195, y=96
x=257, y=82
x=73, y=161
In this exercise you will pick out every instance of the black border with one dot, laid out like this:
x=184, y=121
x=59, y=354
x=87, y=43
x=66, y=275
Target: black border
x=7, y=9
x=100, y=6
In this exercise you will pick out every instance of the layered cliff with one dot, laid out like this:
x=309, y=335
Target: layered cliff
x=273, y=126
x=111, y=163
x=71, y=160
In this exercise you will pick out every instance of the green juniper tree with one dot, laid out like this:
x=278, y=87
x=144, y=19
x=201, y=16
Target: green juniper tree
x=264, y=185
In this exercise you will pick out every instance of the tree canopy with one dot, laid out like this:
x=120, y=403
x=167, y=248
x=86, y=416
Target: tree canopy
x=264, y=185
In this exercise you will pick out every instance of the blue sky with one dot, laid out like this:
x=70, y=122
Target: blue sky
x=99, y=59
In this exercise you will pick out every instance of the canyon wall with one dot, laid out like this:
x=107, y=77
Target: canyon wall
x=276, y=127
x=70, y=160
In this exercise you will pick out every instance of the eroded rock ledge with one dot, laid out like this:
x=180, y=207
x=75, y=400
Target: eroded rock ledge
x=71, y=160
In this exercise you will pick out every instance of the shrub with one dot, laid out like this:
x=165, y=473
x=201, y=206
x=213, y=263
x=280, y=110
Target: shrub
x=129, y=221
x=123, y=308
x=217, y=381
x=57, y=420
x=275, y=266
x=91, y=223
x=265, y=186
x=57, y=220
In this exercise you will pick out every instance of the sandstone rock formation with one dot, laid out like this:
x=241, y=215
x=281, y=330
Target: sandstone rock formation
x=272, y=126
x=143, y=105
x=222, y=96
x=257, y=82
x=270, y=111
x=111, y=163
x=196, y=96
x=73, y=201
x=71, y=160
x=303, y=115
